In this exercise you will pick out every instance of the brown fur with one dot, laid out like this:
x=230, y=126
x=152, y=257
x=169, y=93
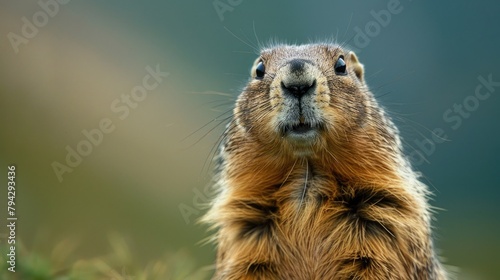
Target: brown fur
x=344, y=205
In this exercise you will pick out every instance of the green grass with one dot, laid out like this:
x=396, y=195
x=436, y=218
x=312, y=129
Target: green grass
x=119, y=264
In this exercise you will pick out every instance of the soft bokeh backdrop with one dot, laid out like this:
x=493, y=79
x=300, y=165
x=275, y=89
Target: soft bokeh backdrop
x=69, y=62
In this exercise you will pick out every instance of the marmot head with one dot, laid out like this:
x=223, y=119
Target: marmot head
x=303, y=97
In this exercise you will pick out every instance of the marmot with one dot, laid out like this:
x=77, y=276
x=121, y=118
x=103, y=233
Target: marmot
x=312, y=181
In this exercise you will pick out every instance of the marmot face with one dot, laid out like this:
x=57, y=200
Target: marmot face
x=302, y=97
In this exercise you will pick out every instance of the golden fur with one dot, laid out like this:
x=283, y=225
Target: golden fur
x=342, y=204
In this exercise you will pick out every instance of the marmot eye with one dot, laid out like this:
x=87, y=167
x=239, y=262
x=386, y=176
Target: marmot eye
x=260, y=70
x=340, y=67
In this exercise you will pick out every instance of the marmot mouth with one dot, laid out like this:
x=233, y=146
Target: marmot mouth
x=300, y=128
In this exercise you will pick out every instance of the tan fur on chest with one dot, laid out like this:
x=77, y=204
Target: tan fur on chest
x=315, y=226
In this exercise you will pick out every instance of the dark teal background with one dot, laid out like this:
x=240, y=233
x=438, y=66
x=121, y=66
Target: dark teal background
x=426, y=59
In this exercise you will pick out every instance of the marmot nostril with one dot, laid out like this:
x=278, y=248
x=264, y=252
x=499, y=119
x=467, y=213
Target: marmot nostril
x=297, y=90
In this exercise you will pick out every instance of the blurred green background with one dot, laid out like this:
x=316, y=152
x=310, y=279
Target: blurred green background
x=420, y=62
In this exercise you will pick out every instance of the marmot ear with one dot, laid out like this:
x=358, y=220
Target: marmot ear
x=356, y=66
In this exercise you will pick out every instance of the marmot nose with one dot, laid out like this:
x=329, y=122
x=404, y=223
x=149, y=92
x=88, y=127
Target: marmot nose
x=297, y=90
